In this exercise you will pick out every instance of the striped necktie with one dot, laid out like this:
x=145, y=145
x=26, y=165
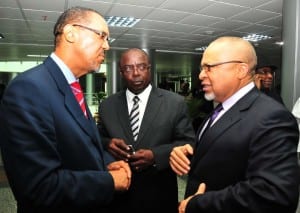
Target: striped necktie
x=134, y=117
x=77, y=91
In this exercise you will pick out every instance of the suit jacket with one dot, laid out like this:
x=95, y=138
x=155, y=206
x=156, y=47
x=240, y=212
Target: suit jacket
x=52, y=154
x=165, y=124
x=248, y=160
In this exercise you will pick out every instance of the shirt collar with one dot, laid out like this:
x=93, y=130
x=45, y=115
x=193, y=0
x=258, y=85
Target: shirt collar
x=143, y=96
x=237, y=96
x=64, y=68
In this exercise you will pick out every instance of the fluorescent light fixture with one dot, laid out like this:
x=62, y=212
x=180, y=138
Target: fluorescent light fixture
x=37, y=56
x=280, y=43
x=1, y=36
x=256, y=37
x=111, y=40
x=201, y=48
x=117, y=21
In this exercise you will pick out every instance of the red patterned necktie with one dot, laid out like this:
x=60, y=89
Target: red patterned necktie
x=77, y=91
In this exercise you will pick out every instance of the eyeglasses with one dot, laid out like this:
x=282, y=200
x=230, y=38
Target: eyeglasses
x=264, y=72
x=130, y=68
x=207, y=67
x=101, y=34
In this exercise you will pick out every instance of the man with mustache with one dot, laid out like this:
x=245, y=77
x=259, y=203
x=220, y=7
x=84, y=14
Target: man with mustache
x=245, y=158
x=51, y=148
x=162, y=122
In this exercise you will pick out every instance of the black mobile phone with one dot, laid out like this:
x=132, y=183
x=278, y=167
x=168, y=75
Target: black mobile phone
x=131, y=149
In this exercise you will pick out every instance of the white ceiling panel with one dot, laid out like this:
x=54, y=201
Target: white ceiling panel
x=187, y=6
x=223, y=10
x=124, y=10
x=166, y=15
x=10, y=13
x=53, y=5
x=165, y=24
x=254, y=16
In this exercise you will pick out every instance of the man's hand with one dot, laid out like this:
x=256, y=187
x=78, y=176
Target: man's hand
x=119, y=149
x=258, y=79
x=121, y=173
x=179, y=161
x=141, y=159
x=183, y=204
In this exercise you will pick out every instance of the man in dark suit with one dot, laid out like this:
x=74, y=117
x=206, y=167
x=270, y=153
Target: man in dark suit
x=246, y=159
x=51, y=148
x=163, y=123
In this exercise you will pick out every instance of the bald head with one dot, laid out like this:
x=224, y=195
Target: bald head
x=229, y=48
x=228, y=64
x=137, y=51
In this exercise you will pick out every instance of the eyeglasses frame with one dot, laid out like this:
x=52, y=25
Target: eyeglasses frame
x=133, y=67
x=101, y=34
x=207, y=67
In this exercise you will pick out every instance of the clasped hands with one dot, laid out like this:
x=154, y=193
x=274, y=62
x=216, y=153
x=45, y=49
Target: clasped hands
x=138, y=161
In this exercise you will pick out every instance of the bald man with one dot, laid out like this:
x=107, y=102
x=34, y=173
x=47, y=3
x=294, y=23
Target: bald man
x=246, y=160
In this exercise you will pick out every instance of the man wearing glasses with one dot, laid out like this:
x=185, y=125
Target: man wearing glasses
x=245, y=156
x=264, y=78
x=51, y=148
x=141, y=125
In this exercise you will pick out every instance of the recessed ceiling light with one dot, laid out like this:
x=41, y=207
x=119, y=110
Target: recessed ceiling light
x=117, y=21
x=1, y=36
x=256, y=37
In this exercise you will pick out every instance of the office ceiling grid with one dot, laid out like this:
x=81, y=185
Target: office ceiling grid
x=165, y=24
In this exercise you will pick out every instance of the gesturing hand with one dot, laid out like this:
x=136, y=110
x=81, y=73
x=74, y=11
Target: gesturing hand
x=179, y=160
x=183, y=203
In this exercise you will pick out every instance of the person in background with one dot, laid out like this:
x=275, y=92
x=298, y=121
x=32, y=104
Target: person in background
x=184, y=89
x=264, y=81
x=51, y=148
x=245, y=160
x=163, y=123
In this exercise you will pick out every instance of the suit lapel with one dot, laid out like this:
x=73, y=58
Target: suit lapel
x=71, y=103
x=123, y=115
x=232, y=116
x=153, y=106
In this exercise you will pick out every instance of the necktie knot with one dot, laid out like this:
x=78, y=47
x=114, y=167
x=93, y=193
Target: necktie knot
x=76, y=88
x=135, y=99
x=216, y=111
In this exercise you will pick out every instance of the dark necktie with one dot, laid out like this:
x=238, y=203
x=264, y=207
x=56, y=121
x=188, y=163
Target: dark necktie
x=213, y=116
x=77, y=91
x=134, y=117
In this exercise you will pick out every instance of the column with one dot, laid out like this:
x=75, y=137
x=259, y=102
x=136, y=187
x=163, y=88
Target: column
x=89, y=90
x=290, y=53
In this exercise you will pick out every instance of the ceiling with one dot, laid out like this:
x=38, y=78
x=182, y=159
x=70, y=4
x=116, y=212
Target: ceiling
x=165, y=25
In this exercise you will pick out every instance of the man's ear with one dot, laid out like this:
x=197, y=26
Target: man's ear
x=69, y=33
x=243, y=70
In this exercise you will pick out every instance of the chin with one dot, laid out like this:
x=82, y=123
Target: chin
x=209, y=96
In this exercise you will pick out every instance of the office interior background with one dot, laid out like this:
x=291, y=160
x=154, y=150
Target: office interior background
x=174, y=33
